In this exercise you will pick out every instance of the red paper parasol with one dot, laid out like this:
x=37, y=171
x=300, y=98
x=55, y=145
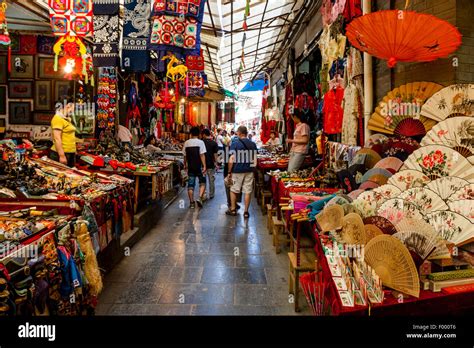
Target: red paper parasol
x=403, y=36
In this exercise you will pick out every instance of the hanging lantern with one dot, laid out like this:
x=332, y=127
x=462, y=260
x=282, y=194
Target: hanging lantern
x=70, y=54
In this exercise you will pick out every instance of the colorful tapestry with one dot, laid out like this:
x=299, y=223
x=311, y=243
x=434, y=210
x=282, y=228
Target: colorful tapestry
x=27, y=44
x=106, y=98
x=44, y=44
x=136, y=32
x=193, y=8
x=175, y=31
x=195, y=63
x=71, y=17
x=196, y=82
x=106, y=7
x=106, y=40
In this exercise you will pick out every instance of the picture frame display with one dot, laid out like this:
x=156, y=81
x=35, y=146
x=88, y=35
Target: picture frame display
x=62, y=90
x=3, y=100
x=3, y=69
x=22, y=67
x=46, y=69
x=43, y=118
x=43, y=95
x=19, y=112
x=20, y=89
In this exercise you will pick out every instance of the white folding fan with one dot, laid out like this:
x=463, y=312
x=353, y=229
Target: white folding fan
x=447, y=186
x=426, y=200
x=465, y=192
x=384, y=193
x=452, y=226
x=452, y=100
x=421, y=237
x=408, y=178
x=397, y=209
x=437, y=161
x=463, y=207
x=456, y=133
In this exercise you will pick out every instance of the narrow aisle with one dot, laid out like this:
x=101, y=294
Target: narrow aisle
x=201, y=262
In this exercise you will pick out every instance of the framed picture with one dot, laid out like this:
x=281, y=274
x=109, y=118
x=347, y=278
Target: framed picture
x=3, y=69
x=20, y=89
x=3, y=100
x=22, y=67
x=46, y=69
x=42, y=118
x=43, y=95
x=19, y=112
x=62, y=90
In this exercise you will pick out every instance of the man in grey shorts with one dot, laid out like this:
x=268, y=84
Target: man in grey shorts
x=242, y=164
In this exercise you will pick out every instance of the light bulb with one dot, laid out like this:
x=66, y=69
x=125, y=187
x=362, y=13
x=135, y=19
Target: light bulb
x=171, y=91
x=183, y=100
x=69, y=66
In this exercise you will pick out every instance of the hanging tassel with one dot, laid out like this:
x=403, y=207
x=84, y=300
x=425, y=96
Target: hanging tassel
x=10, y=58
x=56, y=58
x=187, y=85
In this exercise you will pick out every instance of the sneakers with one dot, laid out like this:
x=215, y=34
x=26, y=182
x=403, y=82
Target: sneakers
x=192, y=205
x=199, y=202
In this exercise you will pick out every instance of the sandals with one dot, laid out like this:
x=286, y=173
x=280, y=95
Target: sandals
x=246, y=215
x=231, y=212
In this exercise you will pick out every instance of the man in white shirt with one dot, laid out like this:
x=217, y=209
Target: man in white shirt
x=195, y=162
x=124, y=136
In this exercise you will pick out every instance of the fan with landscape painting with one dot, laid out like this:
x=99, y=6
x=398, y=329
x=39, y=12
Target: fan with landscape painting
x=452, y=227
x=463, y=193
x=426, y=200
x=447, y=186
x=330, y=218
x=454, y=100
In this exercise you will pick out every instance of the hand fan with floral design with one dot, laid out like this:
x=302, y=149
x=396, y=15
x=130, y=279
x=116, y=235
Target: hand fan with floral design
x=446, y=186
x=463, y=207
x=409, y=178
x=426, y=200
x=397, y=209
x=389, y=163
x=371, y=231
x=456, y=100
x=452, y=226
x=463, y=193
x=385, y=225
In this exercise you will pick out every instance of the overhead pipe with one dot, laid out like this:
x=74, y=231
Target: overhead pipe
x=368, y=79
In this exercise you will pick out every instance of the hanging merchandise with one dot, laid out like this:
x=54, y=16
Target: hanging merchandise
x=136, y=32
x=331, y=9
x=28, y=44
x=177, y=32
x=176, y=70
x=164, y=100
x=70, y=55
x=195, y=84
x=439, y=38
x=71, y=17
x=191, y=8
x=454, y=100
x=106, y=7
x=106, y=40
x=5, y=39
x=332, y=111
x=195, y=62
x=107, y=98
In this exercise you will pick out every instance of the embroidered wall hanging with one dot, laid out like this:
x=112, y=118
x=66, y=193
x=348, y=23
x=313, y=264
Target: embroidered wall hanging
x=106, y=98
x=192, y=8
x=106, y=7
x=195, y=63
x=175, y=31
x=136, y=32
x=44, y=44
x=106, y=40
x=70, y=54
x=27, y=44
x=71, y=17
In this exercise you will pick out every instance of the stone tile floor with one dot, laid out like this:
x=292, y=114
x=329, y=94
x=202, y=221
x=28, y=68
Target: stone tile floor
x=201, y=262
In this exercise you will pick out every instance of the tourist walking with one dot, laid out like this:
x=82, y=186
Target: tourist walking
x=195, y=163
x=211, y=160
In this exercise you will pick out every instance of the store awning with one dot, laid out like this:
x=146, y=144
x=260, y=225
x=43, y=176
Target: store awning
x=254, y=86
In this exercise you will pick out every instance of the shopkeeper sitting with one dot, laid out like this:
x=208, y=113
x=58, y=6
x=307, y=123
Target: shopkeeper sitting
x=300, y=142
x=64, y=134
x=273, y=141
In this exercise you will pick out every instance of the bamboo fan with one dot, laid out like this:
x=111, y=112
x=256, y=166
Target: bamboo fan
x=421, y=237
x=399, y=111
x=349, y=208
x=426, y=200
x=390, y=163
x=371, y=158
x=371, y=231
x=409, y=178
x=354, y=194
x=376, y=171
x=353, y=231
x=447, y=186
x=452, y=227
x=330, y=218
x=393, y=263
x=463, y=207
x=456, y=133
x=463, y=193
x=385, y=225
x=437, y=161
x=452, y=100
x=397, y=209
x=368, y=185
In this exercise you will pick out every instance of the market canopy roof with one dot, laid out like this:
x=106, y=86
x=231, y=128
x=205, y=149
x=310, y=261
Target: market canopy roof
x=221, y=37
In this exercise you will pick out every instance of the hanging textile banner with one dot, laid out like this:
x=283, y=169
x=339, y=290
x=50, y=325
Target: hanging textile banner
x=107, y=98
x=44, y=44
x=106, y=40
x=106, y=7
x=71, y=17
x=136, y=31
x=195, y=63
x=195, y=84
x=193, y=8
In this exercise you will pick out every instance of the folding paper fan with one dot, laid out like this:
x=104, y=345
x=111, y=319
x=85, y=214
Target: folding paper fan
x=463, y=207
x=421, y=237
x=452, y=100
x=369, y=199
x=426, y=200
x=393, y=263
x=385, y=225
x=371, y=231
x=371, y=158
x=368, y=185
x=339, y=200
x=463, y=193
x=452, y=226
x=354, y=194
x=375, y=139
x=399, y=111
x=330, y=218
x=409, y=178
x=456, y=133
x=396, y=209
x=437, y=161
x=353, y=231
x=365, y=208
x=447, y=186
x=389, y=163
x=376, y=171
x=384, y=193
x=373, y=199
x=379, y=179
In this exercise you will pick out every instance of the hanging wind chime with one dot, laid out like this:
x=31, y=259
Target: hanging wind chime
x=4, y=35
